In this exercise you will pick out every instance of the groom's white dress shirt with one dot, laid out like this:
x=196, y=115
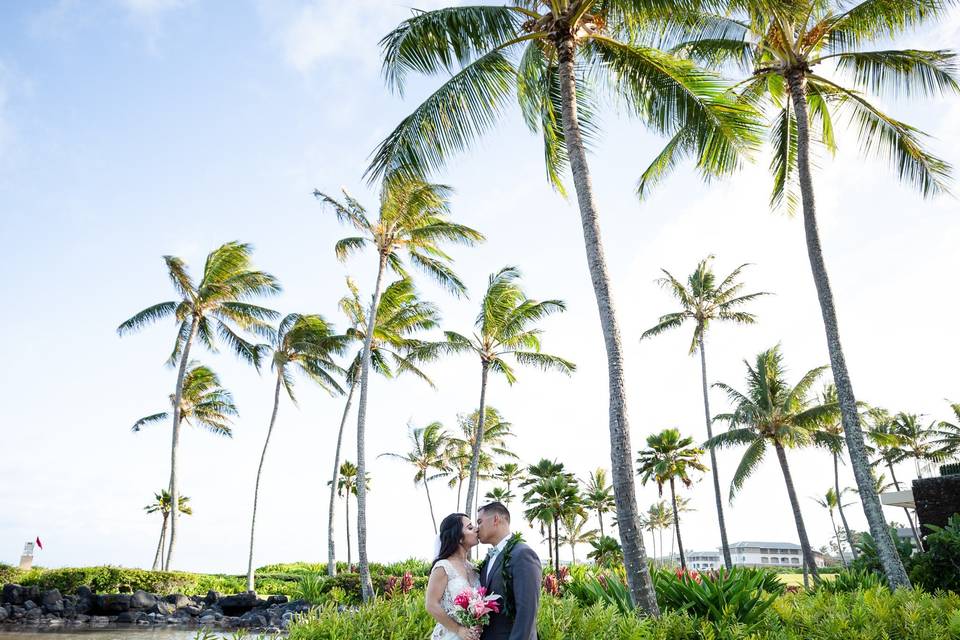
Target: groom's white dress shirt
x=493, y=553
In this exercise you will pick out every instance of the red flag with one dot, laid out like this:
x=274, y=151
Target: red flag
x=39, y=544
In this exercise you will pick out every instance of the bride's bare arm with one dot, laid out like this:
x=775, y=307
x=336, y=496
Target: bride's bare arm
x=436, y=585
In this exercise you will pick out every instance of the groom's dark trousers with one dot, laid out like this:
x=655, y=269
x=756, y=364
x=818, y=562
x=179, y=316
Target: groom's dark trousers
x=526, y=569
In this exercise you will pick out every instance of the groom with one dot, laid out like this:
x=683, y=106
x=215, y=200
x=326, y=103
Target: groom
x=509, y=562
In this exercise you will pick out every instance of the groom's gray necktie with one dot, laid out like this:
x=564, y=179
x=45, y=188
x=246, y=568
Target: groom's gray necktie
x=491, y=558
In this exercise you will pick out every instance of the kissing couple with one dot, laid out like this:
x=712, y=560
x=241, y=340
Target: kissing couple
x=511, y=571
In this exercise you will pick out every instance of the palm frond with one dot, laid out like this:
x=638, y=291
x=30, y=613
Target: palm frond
x=901, y=73
x=147, y=316
x=148, y=420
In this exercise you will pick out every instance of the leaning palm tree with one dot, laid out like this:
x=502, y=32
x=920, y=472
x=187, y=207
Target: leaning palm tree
x=347, y=481
x=778, y=47
x=831, y=433
x=598, y=495
x=216, y=307
x=575, y=532
x=161, y=504
x=703, y=301
x=831, y=501
x=414, y=220
x=505, y=326
x=401, y=314
x=554, y=55
x=668, y=458
x=427, y=455
x=772, y=413
x=303, y=344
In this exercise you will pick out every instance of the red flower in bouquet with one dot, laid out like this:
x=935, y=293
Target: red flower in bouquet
x=472, y=607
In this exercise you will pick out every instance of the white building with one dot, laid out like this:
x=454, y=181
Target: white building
x=752, y=554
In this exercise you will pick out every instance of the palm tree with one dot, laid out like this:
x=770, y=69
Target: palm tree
x=770, y=412
x=500, y=494
x=505, y=326
x=606, y=552
x=885, y=442
x=161, y=504
x=346, y=486
x=658, y=518
x=778, y=46
x=832, y=435
x=916, y=440
x=668, y=458
x=203, y=402
x=427, y=456
x=493, y=442
x=832, y=500
x=949, y=433
x=551, y=500
x=536, y=473
x=393, y=350
x=552, y=53
x=575, y=532
x=216, y=307
x=509, y=473
x=413, y=219
x=703, y=301
x=304, y=344
x=598, y=495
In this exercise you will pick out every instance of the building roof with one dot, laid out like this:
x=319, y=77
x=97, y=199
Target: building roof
x=778, y=545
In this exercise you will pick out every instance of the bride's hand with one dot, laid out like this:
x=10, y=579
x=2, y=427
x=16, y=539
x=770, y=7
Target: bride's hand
x=467, y=633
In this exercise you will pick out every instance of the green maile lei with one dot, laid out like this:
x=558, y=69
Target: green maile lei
x=506, y=570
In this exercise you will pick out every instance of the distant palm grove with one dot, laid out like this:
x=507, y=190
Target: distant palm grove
x=723, y=83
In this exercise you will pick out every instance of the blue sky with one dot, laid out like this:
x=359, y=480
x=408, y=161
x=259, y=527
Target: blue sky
x=130, y=129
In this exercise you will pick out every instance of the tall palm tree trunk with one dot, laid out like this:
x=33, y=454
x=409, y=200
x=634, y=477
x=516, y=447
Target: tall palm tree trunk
x=892, y=566
x=331, y=551
x=600, y=518
x=366, y=584
x=634, y=555
x=727, y=561
x=163, y=537
x=805, y=547
x=472, y=488
x=349, y=556
x=556, y=545
x=175, y=444
x=843, y=518
x=676, y=525
x=256, y=486
x=433, y=518
x=913, y=527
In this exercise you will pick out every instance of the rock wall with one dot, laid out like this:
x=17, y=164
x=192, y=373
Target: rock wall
x=31, y=606
x=937, y=499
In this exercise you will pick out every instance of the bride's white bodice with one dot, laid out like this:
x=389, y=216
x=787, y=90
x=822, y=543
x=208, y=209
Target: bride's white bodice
x=456, y=583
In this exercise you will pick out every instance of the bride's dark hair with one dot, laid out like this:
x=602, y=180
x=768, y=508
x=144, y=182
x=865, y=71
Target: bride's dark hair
x=451, y=533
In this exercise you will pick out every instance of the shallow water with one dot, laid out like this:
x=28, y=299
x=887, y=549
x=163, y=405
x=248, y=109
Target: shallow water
x=110, y=633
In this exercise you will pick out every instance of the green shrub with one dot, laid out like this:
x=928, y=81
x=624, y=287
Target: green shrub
x=740, y=595
x=853, y=580
x=868, y=559
x=399, y=618
x=939, y=566
x=10, y=574
x=310, y=588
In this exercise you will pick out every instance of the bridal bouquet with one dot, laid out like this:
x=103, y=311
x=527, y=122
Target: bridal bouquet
x=472, y=607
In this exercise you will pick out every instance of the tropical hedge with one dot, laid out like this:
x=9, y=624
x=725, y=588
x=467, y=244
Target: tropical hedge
x=862, y=615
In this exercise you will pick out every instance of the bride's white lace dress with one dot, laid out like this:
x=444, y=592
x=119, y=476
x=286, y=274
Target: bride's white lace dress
x=456, y=583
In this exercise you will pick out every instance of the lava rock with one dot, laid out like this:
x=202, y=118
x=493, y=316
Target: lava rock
x=52, y=602
x=81, y=618
x=4, y=614
x=163, y=608
x=178, y=600
x=33, y=614
x=12, y=594
x=113, y=603
x=252, y=619
x=128, y=617
x=192, y=610
x=84, y=592
x=272, y=600
x=142, y=600
x=238, y=604
x=99, y=620
x=30, y=605
x=213, y=597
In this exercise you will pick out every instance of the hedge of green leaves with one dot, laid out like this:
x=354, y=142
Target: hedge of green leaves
x=864, y=615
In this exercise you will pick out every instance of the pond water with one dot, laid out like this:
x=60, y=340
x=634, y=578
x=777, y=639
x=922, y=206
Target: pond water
x=110, y=633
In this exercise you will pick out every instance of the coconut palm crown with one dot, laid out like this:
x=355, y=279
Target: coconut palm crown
x=204, y=403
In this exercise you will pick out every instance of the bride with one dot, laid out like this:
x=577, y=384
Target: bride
x=451, y=574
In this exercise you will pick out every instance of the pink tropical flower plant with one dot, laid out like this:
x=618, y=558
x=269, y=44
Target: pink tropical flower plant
x=472, y=607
